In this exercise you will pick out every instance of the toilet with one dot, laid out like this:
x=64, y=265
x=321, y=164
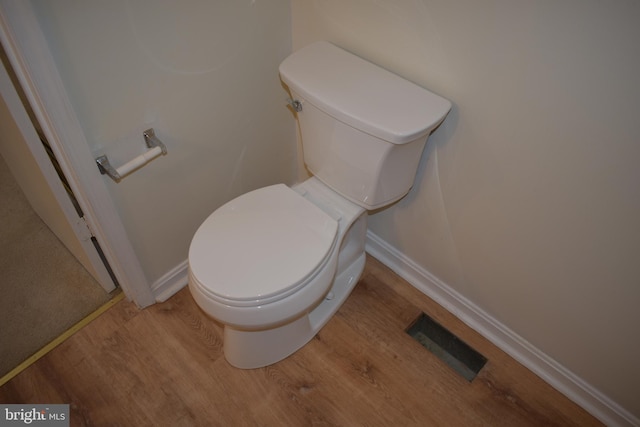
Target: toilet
x=275, y=264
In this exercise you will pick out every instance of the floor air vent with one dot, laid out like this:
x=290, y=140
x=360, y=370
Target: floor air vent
x=447, y=347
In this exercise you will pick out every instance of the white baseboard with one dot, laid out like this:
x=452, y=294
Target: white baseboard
x=169, y=284
x=566, y=382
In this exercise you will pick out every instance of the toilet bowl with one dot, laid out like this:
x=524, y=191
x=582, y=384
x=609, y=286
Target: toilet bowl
x=285, y=260
x=273, y=265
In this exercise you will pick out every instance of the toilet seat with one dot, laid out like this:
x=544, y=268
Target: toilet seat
x=261, y=247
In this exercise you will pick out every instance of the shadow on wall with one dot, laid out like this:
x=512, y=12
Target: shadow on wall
x=426, y=197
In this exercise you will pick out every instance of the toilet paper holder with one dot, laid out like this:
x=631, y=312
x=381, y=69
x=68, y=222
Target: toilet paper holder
x=156, y=149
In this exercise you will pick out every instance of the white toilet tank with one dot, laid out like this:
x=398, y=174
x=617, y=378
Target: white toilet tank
x=363, y=128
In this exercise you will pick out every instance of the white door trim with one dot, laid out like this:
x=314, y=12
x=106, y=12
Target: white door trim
x=23, y=151
x=34, y=66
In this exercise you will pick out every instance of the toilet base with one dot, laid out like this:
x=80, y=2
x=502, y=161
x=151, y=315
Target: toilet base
x=255, y=349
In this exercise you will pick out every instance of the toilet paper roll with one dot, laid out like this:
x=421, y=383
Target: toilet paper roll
x=139, y=161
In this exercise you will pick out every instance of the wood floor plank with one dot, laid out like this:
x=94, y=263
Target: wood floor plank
x=164, y=366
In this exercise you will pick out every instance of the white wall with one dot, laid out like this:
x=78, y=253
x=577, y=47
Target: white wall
x=527, y=200
x=204, y=75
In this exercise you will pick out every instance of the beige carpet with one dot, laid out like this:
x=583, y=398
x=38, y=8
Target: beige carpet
x=44, y=289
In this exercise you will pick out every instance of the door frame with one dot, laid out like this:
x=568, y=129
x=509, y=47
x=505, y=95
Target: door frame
x=33, y=64
x=23, y=151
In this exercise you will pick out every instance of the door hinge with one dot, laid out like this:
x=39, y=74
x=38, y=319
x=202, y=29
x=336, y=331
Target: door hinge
x=84, y=230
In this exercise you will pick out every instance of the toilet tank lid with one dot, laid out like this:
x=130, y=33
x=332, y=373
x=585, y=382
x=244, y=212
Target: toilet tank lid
x=361, y=94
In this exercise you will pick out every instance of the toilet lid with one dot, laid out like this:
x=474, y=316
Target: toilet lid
x=260, y=245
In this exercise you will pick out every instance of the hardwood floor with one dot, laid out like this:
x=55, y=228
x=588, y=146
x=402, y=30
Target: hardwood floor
x=163, y=366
